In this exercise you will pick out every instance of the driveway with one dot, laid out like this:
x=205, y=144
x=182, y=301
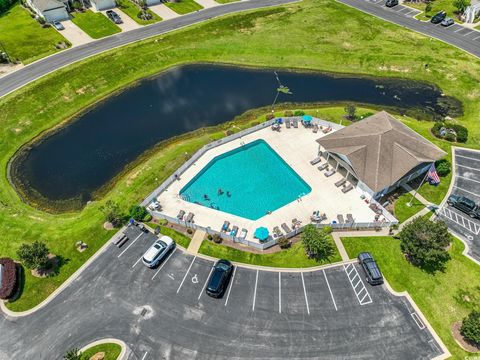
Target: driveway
x=164, y=313
x=128, y=23
x=74, y=34
x=164, y=11
x=466, y=183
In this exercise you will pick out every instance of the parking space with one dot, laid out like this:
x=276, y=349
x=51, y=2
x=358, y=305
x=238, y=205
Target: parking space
x=466, y=183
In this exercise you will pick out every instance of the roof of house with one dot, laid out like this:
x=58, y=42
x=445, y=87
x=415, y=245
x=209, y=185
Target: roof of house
x=45, y=5
x=380, y=149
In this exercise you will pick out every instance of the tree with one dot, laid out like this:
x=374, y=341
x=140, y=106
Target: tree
x=443, y=167
x=350, y=110
x=461, y=5
x=425, y=242
x=73, y=354
x=317, y=242
x=33, y=256
x=138, y=213
x=471, y=327
x=111, y=211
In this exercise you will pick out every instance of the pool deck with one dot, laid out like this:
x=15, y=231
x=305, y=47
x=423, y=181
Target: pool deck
x=297, y=147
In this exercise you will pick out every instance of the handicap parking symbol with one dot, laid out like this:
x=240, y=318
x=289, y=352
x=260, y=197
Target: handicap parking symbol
x=195, y=279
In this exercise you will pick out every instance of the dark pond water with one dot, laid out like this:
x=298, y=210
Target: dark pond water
x=89, y=152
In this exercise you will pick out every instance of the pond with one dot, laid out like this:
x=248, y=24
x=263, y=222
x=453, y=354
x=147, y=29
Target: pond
x=88, y=153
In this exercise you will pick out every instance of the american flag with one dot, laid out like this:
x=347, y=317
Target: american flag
x=432, y=176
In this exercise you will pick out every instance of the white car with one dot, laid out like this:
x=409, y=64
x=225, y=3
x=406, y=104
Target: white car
x=157, y=251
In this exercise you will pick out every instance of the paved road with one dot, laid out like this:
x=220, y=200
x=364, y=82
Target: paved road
x=468, y=40
x=164, y=314
x=42, y=67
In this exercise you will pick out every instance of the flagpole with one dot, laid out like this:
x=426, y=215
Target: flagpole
x=409, y=204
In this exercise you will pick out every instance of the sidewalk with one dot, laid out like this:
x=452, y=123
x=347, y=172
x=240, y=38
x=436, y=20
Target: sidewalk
x=196, y=242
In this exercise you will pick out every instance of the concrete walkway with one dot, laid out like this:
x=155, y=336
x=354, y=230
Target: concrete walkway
x=196, y=242
x=163, y=11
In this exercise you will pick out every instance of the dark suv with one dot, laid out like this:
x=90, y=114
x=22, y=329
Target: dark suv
x=391, y=3
x=114, y=16
x=439, y=17
x=372, y=271
x=464, y=204
x=218, y=281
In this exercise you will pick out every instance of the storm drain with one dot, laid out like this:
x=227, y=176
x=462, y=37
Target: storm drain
x=144, y=312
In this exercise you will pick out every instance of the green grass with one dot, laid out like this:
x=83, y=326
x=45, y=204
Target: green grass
x=112, y=351
x=225, y=1
x=179, y=238
x=437, y=6
x=294, y=257
x=96, y=25
x=402, y=211
x=132, y=10
x=353, y=43
x=441, y=297
x=184, y=6
x=24, y=38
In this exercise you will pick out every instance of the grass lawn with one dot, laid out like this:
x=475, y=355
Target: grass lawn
x=24, y=38
x=443, y=298
x=354, y=43
x=96, y=25
x=132, y=10
x=184, y=6
x=179, y=238
x=437, y=6
x=225, y=1
x=402, y=211
x=294, y=257
x=112, y=351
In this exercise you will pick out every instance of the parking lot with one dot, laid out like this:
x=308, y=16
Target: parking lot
x=466, y=183
x=164, y=313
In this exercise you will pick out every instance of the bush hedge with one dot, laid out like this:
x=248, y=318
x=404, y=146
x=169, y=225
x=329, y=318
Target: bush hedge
x=461, y=131
x=9, y=278
x=471, y=327
x=443, y=167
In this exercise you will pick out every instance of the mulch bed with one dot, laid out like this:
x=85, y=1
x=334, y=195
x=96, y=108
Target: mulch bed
x=464, y=344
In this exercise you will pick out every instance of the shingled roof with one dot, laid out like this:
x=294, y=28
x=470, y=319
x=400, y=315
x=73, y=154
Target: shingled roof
x=380, y=149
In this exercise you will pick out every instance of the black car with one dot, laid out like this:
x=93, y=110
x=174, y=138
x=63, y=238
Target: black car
x=464, y=204
x=391, y=3
x=372, y=271
x=439, y=17
x=219, y=279
x=114, y=16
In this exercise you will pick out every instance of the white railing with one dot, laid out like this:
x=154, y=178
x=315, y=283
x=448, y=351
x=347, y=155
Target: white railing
x=471, y=13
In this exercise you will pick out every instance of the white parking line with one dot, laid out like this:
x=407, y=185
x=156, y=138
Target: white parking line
x=448, y=213
x=279, y=292
x=476, y=37
x=461, y=28
x=468, y=33
x=144, y=355
x=459, y=188
x=361, y=288
x=166, y=260
x=255, y=292
x=468, y=167
x=329, y=289
x=185, y=276
x=417, y=320
x=205, y=285
x=136, y=262
x=465, y=178
x=467, y=157
x=410, y=12
x=305, y=293
x=231, y=285
x=128, y=247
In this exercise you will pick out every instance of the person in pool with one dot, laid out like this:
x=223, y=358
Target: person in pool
x=219, y=191
x=205, y=196
x=228, y=194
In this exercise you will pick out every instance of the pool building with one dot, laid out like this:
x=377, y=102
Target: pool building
x=283, y=177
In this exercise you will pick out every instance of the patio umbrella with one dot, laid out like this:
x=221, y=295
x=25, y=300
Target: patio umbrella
x=261, y=233
x=307, y=118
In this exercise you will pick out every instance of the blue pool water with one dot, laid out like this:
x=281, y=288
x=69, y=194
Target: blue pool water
x=254, y=180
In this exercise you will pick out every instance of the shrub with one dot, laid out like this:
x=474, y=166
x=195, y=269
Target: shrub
x=112, y=213
x=210, y=237
x=460, y=130
x=73, y=354
x=229, y=132
x=299, y=113
x=443, y=167
x=189, y=231
x=425, y=242
x=288, y=113
x=217, y=239
x=471, y=327
x=138, y=213
x=163, y=222
x=33, y=256
x=284, y=243
x=317, y=242
x=436, y=128
x=450, y=137
x=350, y=111
x=269, y=116
x=9, y=278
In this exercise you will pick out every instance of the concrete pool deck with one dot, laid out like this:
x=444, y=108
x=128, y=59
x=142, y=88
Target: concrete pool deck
x=297, y=147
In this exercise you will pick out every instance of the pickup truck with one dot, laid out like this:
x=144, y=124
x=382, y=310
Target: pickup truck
x=465, y=205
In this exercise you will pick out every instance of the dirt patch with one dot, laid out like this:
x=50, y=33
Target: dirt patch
x=50, y=269
x=464, y=344
x=108, y=226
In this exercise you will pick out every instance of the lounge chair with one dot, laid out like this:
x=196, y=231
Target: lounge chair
x=315, y=129
x=327, y=130
x=316, y=160
x=329, y=172
x=277, y=232
x=296, y=223
x=295, y=123
x=243, y=234
x=323, y=167
x=287, y=123
x=286, y=228
x=234, y=231
x=350, y=219
x=225, y=225
x=189, y=217
x=340, y=182
x=347, y=188
x=340, y=219
x=180, y=215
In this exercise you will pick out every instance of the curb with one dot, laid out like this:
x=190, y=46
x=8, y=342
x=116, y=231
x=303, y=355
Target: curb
x=123, y=354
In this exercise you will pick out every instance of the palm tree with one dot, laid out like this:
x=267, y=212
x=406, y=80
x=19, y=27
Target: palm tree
x=281, y=89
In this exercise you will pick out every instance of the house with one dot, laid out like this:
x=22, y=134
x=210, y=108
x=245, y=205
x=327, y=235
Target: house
x=100, y=5
x=50, y=10
x=379, y=154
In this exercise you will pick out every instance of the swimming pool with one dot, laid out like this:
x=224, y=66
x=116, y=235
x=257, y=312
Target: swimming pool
x=248, y=181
